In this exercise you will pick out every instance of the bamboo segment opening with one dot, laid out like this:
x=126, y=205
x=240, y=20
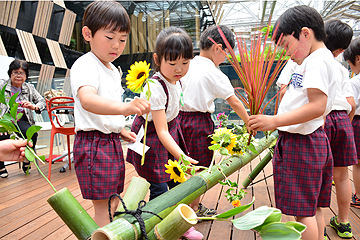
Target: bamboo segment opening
x=188, y=213
x=100, y=235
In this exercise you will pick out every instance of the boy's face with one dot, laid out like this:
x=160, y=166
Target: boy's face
x=298, y=49
x=355, y=68
x=107, y=45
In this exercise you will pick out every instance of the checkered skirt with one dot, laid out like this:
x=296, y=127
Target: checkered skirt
x=356, y=126
x=157, y=156
x=340, y=133
x=196, y=127
x=99, y=164
x=303, y=167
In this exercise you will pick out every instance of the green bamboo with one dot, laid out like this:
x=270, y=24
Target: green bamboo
x=175, y=224
x=185, y=193
x=73, y=214
x=257, y=169
x=136, y=192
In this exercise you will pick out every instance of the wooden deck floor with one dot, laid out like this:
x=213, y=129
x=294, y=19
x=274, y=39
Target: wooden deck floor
x=25, y=213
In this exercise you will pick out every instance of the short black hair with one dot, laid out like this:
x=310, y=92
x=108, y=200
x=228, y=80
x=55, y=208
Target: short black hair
x=106, y=14
x=213, y=32
x=295, y=18
x=338, y=34
x=16, y=64
x=352, y=51
x=171, y=44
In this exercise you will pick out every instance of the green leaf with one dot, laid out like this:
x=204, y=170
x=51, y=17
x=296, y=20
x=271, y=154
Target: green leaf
x=19, y=116
x=224, y=151
x=185, y=161
x=216, y=138
x=150, y=81
x=148, y=95
x=6, y=123
x=193, y=171
x=278, y=231
x=12, y=101
x=29, y=155
x=252, y=148
x=42, y=157
x=227, y=138
x=214, y=147
x=139, y=90
x=31, y=131
x=13, y=110
x=235, y=211
x=253, y=219
x=275, y=216
x=2, y=95
x=12, y=136
x=298, y=226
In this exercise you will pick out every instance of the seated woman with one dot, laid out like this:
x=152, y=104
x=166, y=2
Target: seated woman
x=29, y=100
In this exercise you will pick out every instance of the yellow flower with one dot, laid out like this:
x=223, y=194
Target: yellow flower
x=220, y=134
x=236, y=149
x=236, y=203
x=137, y=75
x=175, y=171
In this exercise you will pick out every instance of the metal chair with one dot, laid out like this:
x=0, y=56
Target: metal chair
x=55, y=106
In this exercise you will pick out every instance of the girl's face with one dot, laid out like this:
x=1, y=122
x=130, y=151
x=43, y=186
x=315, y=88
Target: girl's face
x=107, y=45
x=173, y=71
x=355, y=68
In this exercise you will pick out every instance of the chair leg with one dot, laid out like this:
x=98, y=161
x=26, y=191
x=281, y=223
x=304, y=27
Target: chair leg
x=69, y=151
x=51, y=152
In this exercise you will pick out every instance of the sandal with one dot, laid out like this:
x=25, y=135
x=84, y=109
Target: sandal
x=204, y=211
x=4, y=173
x=26, y=167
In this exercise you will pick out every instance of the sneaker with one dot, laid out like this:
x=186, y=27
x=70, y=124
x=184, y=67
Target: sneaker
x=342, y=229
x=204, y=211
x=192, y=234
x=4, y=173
x=355, y=201
x=325, y=235
x=26, y=166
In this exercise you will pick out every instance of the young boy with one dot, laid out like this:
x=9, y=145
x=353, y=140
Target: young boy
x=352, y=55
x=201, y=85
x=303, y=159
x=338, y=127
x=99, y=110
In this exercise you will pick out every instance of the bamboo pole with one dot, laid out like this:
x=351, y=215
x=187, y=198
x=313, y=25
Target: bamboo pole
x=175, y=224
x=257, y=169
x=73, y=214
x=184, y=193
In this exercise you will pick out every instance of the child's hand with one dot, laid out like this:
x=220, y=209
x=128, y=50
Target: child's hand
x=252, y=132
x=139, y=106
x=191, y=160
x=128, y=136
x=261, y=123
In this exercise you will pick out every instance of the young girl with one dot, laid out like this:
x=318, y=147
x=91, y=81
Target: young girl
x=352, y=55
x=99, y=110
x=172, y=56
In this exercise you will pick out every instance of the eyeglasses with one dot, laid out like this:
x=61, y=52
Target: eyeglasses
x=18, y=74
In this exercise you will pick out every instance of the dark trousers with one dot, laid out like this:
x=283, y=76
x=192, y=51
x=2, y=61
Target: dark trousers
x=157, y=189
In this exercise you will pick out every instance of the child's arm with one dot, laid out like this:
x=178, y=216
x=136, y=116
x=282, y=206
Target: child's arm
x=314, y=109
x=239, y=108
x=351, y=101
x=161, y=126
x=128, y=136
x=96, y=104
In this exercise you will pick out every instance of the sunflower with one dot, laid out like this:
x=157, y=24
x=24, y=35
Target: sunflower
x=137, y=75
x=225, y=137
x=175, y=171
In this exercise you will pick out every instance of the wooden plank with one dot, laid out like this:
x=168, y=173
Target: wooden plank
x=134, y=34
x=2, y=48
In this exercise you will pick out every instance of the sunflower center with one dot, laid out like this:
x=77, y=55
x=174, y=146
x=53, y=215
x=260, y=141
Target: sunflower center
x=140, y=75
x=177, y=171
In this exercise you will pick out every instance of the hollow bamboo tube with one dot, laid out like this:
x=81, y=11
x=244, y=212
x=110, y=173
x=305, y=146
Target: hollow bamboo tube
x=257, y=170
x=185, y=192
x=73, y=214
x=175, y=224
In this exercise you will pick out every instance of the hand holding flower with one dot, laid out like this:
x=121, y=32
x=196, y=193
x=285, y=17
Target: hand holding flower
x=139, y=106
x=262, y=122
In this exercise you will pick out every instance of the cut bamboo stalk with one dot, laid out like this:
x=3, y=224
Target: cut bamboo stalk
x=175, y=224
x=257, y=170
x=185, y=192
x=135, y=192
x=73, y=214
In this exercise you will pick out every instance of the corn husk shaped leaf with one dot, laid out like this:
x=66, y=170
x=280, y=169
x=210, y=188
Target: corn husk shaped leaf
x=255, y=218
x=235, y=211
x=279, y=230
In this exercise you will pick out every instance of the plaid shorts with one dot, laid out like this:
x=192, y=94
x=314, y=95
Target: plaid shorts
x=99, y=164
x=303, y=167
x=356, y=126
x=196, y=127
x=340, y=133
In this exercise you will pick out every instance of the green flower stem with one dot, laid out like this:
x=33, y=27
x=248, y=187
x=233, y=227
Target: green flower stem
x=42, y=172
x=146, y=124
x=212, y=161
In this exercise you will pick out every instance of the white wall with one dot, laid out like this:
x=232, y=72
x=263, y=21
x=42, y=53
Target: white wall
x=4, y=66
